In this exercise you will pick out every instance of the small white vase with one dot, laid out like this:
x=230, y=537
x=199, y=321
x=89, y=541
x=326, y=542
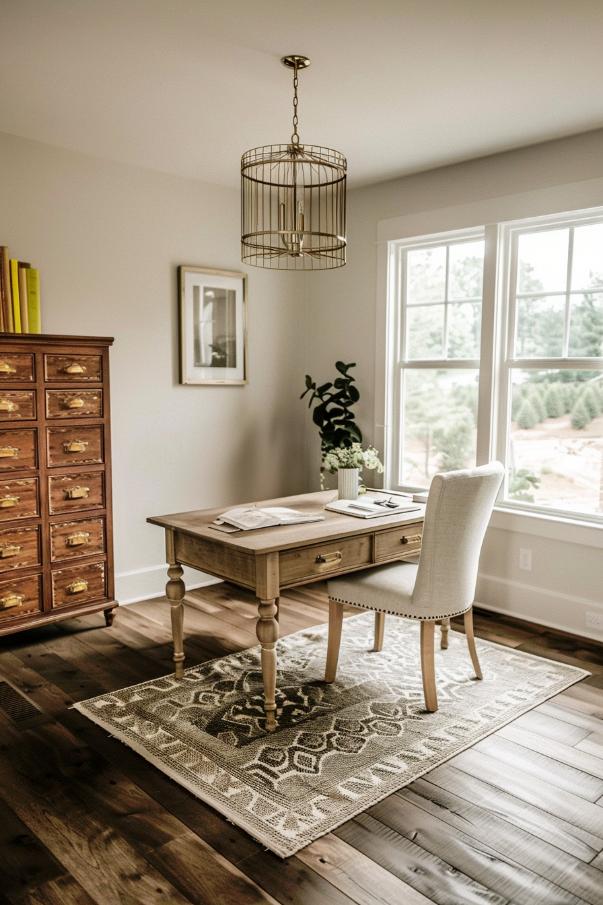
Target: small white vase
x=347, y=483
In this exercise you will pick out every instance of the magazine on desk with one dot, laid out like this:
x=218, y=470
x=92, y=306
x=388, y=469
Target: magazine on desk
x=248, y=518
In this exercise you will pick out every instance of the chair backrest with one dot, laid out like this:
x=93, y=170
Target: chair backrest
x=458, y=510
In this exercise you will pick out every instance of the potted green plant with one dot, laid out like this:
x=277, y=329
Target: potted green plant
x=340, y=437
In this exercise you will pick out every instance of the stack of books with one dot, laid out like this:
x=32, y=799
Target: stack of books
x=19, y=296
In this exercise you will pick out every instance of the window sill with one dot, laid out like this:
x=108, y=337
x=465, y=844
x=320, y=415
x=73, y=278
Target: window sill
x=569, y=530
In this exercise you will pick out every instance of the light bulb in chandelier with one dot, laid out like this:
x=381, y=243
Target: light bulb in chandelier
x=293, y=200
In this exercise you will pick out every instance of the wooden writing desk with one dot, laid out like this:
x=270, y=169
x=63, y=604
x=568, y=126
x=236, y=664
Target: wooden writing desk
x=270, y=560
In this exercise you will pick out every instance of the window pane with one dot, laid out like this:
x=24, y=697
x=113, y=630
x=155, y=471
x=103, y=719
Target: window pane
x=466, y=270
x=439, y=418
x=542, y=261
x=586, y=325
x=464, y=323
x=426, y=275
x=540, y=324
x=425, y=332
x=555, y=455
x=587, y=263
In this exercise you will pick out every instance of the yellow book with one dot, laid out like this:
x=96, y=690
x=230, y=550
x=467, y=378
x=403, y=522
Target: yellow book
x=23, y=297
x=14, y=285
x=33, y=300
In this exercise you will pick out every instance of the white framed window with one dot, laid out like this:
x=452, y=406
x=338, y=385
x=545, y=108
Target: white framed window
x=550, y=428
x=437, y=324
x=496, y=350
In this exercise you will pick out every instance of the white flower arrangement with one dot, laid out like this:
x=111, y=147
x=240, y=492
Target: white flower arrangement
x=353, y=456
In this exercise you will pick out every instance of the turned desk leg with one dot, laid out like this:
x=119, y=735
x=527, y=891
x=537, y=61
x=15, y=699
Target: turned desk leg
x=174, y=591
x=444, y=629
x=267, y=633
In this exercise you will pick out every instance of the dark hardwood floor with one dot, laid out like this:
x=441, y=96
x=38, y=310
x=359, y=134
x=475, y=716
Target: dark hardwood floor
x=83, y=819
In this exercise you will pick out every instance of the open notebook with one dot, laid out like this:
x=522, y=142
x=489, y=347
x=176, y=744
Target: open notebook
x=369, y=508
x=247, y=518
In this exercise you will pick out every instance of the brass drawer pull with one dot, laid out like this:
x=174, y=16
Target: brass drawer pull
x=9, y=452
x=77, y=587
x=7, y=550
x=78, y=539
x=77, y=493
x=327, y=558
x=7, y=368
x=75, y=403
x=6, y=405
x=413, y=539
x=8, y=501
x=75, y=446
x=11, y=600
x=74, y=368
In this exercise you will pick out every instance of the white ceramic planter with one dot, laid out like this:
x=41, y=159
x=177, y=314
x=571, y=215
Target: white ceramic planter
x=347, y=483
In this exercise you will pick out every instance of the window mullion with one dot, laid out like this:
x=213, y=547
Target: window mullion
x=488, y=352
x=445, y=338
x=568, y=286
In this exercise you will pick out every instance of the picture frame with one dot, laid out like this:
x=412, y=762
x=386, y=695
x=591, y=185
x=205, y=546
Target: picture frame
x=213, y=326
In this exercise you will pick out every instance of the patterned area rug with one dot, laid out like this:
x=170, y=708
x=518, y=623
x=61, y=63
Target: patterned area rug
x=339, y=748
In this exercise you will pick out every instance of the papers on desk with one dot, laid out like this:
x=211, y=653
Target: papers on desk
x=371, y=508
x=248, y=518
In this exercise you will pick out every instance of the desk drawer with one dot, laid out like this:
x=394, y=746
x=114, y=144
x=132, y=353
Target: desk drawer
x=16, y=366
x=17, y=450
x=78, y=585
x=75, y=446
x=74, y=404
x=19, y=547
x=19, y=499
x=323, y=559
x=73, y=367
x=20, y=597
x=17, y=405
x=72, y=492
x=398, y=542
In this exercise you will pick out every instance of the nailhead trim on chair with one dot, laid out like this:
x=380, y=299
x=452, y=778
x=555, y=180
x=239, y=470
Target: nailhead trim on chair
x=379, y=609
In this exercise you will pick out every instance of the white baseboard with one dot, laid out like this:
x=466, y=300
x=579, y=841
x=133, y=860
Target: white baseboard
x=143, y=584
x=553, y=609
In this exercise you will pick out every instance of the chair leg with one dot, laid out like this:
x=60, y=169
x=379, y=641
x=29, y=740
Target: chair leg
x=335, y=623
x=471, y=643
x=379, y=630
x=444, y=629
x=428, y=666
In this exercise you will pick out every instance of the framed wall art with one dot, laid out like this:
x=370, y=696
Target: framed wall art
x=213, y=330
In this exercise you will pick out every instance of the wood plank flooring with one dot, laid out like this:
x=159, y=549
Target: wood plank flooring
x=518, y=818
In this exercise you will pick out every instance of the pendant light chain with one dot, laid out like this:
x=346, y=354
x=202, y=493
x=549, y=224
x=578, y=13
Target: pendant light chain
x=295, y=135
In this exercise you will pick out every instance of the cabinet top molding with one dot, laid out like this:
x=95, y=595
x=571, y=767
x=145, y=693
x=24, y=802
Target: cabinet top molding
x=49, y=339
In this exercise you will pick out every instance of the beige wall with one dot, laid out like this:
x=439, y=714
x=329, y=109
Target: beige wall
x=342, y=309
x=107, y=239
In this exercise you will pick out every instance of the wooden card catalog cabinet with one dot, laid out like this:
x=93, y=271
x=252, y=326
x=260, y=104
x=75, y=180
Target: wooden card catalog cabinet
x=56, y=554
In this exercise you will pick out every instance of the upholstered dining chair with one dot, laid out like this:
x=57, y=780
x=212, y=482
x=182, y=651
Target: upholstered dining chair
x=441, y=585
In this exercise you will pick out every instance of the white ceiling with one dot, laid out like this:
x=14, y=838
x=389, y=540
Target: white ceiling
x=185, y=86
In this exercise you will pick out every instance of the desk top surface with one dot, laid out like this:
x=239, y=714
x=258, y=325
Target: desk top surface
x=285, y=537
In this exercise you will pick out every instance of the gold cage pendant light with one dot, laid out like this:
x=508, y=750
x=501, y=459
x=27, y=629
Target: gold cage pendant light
x=293, y=201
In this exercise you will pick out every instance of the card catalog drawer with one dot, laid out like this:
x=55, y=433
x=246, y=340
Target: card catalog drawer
x=398, y=542
x=75, y=445
x=17, y=450
x=16, y=366
x=73, y=367
x=17, y=405
x=19, y=547
x=322, y=559
x=19, y=499
x=72, y=492
x=74, y=404
x=78, y=585
x=68, y=540
x=20, y=597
